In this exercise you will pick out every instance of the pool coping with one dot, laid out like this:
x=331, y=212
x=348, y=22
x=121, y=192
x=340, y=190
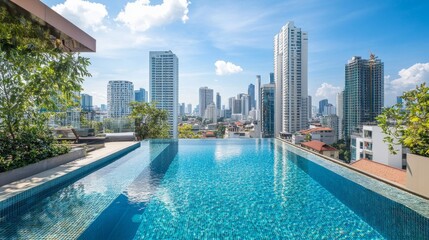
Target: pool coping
x=413, y=205
x=394, y=184
x=13, y=193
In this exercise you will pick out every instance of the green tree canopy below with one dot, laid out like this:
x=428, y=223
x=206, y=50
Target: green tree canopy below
x=150, y=122
x=408, y=124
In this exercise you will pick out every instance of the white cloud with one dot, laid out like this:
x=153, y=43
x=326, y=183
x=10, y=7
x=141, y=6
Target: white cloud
x=85, y=14
x=327, y=90
x=226, y=68
x=139, y=15
x=408, y=79
x=412, y=76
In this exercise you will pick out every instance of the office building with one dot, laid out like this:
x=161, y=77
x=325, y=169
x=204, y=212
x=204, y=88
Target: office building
x=251, y=93
x=86, y=102
x=245, y=105
x=182, y=109
x=236, y=106
x=310, y=106
x=211, y=113
x=267, y=110
x=340, y=114
x=331, y=121
x=363, y=93
x=218, y=104
x=189, y=109
x=329, y=109
x=119, y=95
x=164, y=84
x=322, y=104
x=272, y=78
x=140, y=95
x=103, y=107
x=258, y=81
x=231, y=103
x=291, y=73
x=206, y=97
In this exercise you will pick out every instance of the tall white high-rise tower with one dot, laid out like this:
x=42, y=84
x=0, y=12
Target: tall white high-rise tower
x=291, y=79
x=164, y=84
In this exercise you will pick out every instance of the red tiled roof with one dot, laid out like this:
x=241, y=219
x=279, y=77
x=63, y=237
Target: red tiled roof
x=381, y=170
x=318, y=146
x=311, y=130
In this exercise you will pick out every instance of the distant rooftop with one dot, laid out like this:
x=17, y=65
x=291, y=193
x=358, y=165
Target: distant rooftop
x=317, y=129
x=380, y=170
x=318, y=146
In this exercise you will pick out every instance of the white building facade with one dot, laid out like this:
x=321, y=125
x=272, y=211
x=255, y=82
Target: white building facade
x=369, y=145
x=291, y=79
x=164, y=85
x=119, y=95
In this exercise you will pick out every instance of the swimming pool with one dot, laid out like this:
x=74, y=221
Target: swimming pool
x=255, y=188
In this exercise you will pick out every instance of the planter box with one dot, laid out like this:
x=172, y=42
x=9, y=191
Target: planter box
x=35, y=168
x=418, y=174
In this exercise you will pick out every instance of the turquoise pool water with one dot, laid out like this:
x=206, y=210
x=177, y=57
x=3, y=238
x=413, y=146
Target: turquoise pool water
x=216, y=189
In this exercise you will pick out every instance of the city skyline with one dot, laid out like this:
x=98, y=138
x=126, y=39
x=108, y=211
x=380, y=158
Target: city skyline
x=224, y=50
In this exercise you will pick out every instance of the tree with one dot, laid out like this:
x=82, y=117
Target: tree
x=408, y=125
x=150, y=122
x=36, y=78
x=344, y=149
x=220, y=132
x=185, y=131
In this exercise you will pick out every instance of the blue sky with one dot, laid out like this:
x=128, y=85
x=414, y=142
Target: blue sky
x=239, y=34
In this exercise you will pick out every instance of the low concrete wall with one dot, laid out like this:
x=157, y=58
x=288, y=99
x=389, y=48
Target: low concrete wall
x=418, y=174
x=35, y=168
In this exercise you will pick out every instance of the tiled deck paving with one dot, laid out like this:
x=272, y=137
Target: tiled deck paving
x=14, y=189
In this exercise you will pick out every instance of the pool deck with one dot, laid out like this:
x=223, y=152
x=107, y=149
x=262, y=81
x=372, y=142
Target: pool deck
x=9, y=190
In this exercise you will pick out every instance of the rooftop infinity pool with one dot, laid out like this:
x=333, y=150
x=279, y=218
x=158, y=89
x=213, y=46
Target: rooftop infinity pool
x=217, y=189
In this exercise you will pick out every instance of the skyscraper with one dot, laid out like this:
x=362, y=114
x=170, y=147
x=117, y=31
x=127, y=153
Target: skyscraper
x=272, y=78
x=189, y=109
x=231, y=103
x=310, y=106
x=140, y=95
x=86, y=102
x=218, y=101
x=267, y=110
x=291, y=73
x=163, y=84
x=340, y=114
x=322, y=104
x=251, y=93
x=119, y=96
x=258, y=81
x=245, y=104
x=206, y=97
x=363, y=92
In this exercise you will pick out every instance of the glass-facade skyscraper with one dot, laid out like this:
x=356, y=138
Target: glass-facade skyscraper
x=267, y=110
x=86, y=102
x=140, y=95
x=363, y=93
x=164, y=85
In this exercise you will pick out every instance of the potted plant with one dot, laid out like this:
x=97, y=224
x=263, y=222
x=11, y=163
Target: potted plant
x=408, y=125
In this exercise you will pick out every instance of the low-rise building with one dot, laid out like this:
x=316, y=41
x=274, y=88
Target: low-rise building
x=323, y=134
x=322, y=148
x=369, y=144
